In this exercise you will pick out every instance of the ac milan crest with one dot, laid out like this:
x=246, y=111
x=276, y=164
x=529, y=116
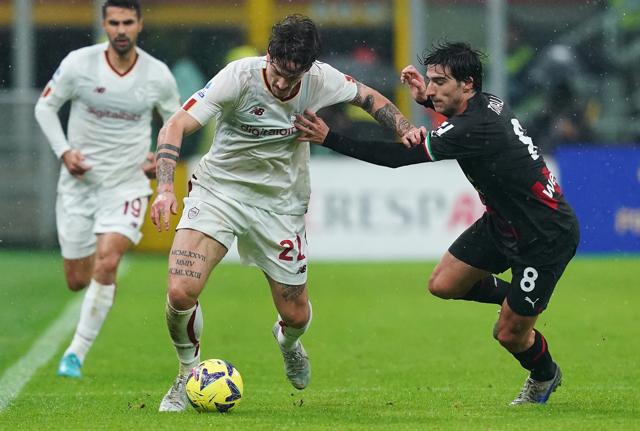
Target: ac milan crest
x=193, y=212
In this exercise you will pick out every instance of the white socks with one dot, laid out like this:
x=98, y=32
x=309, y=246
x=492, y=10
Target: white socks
x=97, y=302
x=288, y=336
x=185, y=328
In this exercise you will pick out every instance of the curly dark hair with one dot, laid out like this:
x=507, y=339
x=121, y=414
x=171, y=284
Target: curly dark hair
x=463, y=61
x=127, y=4
x=295, y=39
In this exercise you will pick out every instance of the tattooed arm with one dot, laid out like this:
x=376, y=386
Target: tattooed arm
x=167, y=155
x=386, y=113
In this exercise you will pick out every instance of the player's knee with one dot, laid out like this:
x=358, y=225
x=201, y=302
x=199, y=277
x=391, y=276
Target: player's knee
x=296, y=317
x=107, y=263
x=76, y=283
x=179, y=296
x=510, y=340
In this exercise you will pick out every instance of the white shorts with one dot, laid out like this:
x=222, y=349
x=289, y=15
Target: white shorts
x=82, y=215
x=275, y=243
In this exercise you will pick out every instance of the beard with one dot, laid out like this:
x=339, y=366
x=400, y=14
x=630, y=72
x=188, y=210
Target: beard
x=122, y=48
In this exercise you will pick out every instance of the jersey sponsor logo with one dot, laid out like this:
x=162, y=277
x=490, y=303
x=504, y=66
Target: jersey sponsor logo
x=444, y=128
x=189, y=104
x=546, y=192
x=99, y=90
x=302, y=269
x=495, y=104
x=258, y=132
x=257, y=110
x=105, y=113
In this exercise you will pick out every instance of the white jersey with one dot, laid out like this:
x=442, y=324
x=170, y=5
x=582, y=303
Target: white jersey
x=110, y=119
x=255, y=156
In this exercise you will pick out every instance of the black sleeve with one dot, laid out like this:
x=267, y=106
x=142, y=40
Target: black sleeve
x=391, y=154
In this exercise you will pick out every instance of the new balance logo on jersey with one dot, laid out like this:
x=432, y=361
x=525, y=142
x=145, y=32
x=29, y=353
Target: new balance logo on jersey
x=444, y=128
x=99, y=90
x=256, y=110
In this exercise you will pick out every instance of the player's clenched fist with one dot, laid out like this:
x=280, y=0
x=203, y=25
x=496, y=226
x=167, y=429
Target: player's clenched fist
x=163, y=206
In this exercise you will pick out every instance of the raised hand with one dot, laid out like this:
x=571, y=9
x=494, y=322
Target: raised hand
x=415, y=81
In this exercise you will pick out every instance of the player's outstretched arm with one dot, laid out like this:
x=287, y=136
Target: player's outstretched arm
x=386, y=113
x=389, y=154
x=167, y=155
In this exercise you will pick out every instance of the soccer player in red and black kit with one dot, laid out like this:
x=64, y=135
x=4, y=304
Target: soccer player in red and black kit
x=528, y=226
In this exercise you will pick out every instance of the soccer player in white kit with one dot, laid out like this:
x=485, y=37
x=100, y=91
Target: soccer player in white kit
x=103, y=190
x=253, y=186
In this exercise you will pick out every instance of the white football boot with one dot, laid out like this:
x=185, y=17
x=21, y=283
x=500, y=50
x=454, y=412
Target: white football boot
x=536, y=392
x=176, y=398
x=296, y=362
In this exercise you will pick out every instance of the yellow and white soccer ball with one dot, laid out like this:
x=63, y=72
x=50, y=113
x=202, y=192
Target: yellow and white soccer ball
x=214, y=385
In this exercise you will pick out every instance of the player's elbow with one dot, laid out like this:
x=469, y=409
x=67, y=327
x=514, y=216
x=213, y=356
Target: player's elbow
x=40, y=111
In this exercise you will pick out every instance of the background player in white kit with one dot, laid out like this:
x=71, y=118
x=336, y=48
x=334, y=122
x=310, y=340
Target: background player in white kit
x=103, y=190
x=252, y=185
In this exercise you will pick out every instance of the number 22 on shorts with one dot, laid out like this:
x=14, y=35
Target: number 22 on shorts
x=289, y=248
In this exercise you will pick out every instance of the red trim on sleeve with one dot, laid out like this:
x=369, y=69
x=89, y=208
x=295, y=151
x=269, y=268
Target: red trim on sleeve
x=189, y=104
x=47, y=91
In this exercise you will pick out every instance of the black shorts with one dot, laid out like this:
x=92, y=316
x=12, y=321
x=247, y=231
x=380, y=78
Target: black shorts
x=534, y=273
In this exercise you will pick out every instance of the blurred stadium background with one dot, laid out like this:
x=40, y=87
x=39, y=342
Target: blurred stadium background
x=567, y=68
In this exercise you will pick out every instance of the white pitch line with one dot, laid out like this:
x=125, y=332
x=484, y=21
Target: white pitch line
x=18, y=375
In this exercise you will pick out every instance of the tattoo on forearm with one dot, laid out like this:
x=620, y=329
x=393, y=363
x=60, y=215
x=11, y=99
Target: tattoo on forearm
x=387, y=117
x=403, y=125
x=185, y=273
x=190, y=254
x=166, y=156
x=365, y=103
x=164, y=171
x=169, y=147
x=291, y=292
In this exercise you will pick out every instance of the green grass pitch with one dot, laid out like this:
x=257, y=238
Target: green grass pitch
x=385, y=354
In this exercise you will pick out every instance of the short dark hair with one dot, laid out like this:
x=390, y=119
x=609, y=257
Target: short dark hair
x=127, y=4
x=463, y=61
x=295, y=39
